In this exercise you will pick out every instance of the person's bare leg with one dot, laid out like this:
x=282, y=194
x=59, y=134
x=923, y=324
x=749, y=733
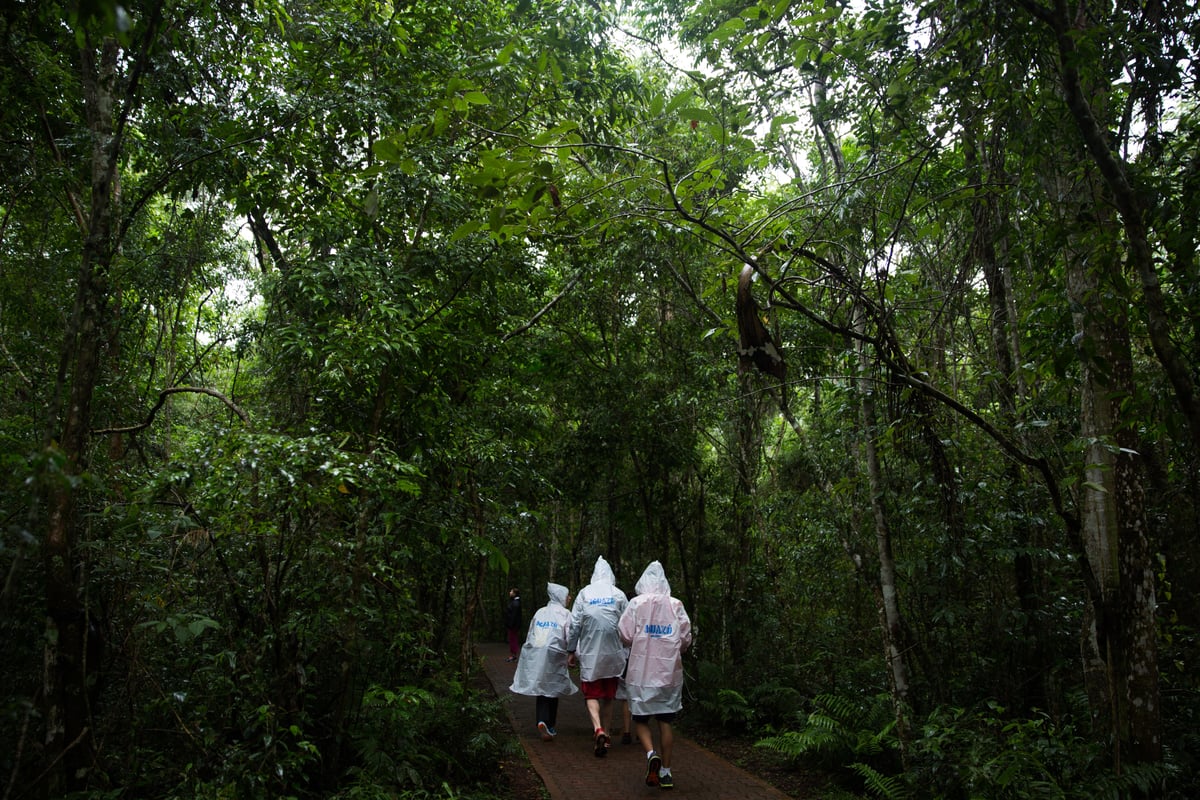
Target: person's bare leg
x=606, y=714
x=644, y=736
x=593, y=707
x=667, y=737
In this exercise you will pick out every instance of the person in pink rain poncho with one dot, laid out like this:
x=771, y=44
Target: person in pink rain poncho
x=657, y=629
x=542, y=669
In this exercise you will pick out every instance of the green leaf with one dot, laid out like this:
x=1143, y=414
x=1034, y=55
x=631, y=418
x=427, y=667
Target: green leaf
x=388, y=149
x=198, y=626
x=699, y=114
x=731, y=27
x=466, y=229
x=783, y=121
x=679, y=100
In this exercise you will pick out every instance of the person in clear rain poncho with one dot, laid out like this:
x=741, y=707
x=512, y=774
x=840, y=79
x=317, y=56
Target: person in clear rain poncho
x=597, y=647
x=657, y=629
x=542, y=668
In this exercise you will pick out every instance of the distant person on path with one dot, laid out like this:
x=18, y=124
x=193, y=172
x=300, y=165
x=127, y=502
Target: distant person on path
x=542, y=670
x=512, y=623
x=657, y=629
x=594, y=642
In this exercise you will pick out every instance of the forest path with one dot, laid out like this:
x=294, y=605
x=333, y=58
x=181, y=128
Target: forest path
x=571, y=771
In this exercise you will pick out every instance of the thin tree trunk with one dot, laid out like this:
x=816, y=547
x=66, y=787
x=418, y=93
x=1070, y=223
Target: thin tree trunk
x=889, y=598
x=985, y=252
x=747, y=447
x=893, y=625
x=474, y=589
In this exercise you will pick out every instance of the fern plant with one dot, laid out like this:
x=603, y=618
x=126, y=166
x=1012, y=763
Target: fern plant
x=987, y=755
x=730, y=708
x=839, y=731
x=885, y=787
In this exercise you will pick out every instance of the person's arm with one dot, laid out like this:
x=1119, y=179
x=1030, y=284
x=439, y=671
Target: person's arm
x=577, y=609
x=572, y=640
x=627, y=625
x=685, y=626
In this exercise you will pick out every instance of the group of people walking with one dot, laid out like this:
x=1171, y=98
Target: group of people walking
x=625, y=649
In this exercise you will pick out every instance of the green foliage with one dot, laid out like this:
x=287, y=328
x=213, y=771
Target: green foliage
x=885, y=787
x=409, y=736
x=729, y=709
x=987, y=755
x=452, y=286
x=956, y=753
x=840, y=731
x=776, y=704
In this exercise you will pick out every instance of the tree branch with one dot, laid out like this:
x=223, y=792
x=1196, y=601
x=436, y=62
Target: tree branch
x=162, y=398
x=544, y=309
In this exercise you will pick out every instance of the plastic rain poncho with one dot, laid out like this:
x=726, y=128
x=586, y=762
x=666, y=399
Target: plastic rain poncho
x=593, y=635
x=657, y=629
x=542, y=667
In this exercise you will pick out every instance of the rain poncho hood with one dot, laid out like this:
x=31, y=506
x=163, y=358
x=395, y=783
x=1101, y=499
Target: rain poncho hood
x=653, y=580
x=557, y=593
x=602, y=574
x=657, y=629
x=593, y=634
x=542, y=667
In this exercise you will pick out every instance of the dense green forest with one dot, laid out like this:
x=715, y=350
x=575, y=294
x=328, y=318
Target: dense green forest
x=324, y=322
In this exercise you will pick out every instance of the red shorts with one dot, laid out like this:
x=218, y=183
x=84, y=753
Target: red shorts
x=603, y=689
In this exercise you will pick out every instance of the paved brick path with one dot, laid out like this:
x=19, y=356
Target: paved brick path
x=571, y=770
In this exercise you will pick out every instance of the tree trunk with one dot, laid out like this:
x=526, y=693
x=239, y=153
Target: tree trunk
x=1032, y=663
x=69, y=740
x=893, y=624
x=1129, y=206
x=1114, y=522
x=1114, y=526
x=889, y=598
x=747, y=444
x=1098, y=516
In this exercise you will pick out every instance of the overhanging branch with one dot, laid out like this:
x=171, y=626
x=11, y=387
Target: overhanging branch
x=162, y=398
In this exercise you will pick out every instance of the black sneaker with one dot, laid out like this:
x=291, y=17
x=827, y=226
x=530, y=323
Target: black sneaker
x=666, y=781
x=653, y=763
x=601, y=744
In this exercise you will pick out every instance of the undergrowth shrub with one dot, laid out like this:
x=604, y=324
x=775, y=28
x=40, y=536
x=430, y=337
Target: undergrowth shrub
x=956, y=754
x=775, y=704
x=715, y=705
x=985, y=754
x=412, y=739
x=840, y=731
x=741, y=710
x=730, y=709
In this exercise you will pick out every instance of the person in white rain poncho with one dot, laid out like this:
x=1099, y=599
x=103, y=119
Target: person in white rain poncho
x=542, y=669
x=594, y=641
x=657, y=629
